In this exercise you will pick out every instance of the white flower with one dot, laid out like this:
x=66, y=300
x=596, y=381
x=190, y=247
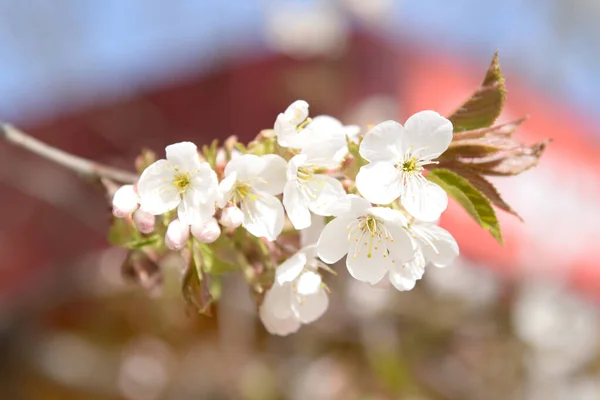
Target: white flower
x=207, y=232
x=144, y=221
x=252, y=182
x=181, y=181
x=231, y=217
x=125, y=201
x=433, y=245
x=323, y=137
x=297, y=296
x=289, y=123
x=177, y=235
x=373, y=237
x=397, y=155
x=308, y=190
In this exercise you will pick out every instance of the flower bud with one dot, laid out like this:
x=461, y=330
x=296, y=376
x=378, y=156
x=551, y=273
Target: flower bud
x=144, y=221
x=231, y=217
x=177, y=235
x=125, y=201
x=207, y=232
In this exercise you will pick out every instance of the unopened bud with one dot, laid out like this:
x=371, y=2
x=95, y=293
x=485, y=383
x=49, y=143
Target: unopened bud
x=144, y=221
x=207, y=232
x=231, y=217
x=177, y=235
x=125, y=201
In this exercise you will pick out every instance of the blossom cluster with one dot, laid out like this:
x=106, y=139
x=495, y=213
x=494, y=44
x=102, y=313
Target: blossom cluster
x=382, y=217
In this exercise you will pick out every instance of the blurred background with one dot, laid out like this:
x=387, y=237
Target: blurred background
x=104, y=79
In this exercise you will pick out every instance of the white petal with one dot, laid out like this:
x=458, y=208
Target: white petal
x=297, y=112
x=293, y=165
x=424, y=200
x=366, y=261
x=156, y=190
x=380, y=182
x=382, y=143
x=403, y=247
x=144, y=221
x=125, y=201
x=272, y=177
x=287, y=134
x=246, y=166
x=325, y=135
x=192, y=211
x=333, y=243
x=290, y=269
x=281, y=327
x=204, y=181
x=309, y=282
x=328, y=191
x=404, y=277
x=184, y=156
x=388, y=215
x=350, y=206
x=296, y=206
x=263, y=216
x=177, y=235
x=440, y=249
x=277, y=301
x=207, y=232
x=352, y=132
x=428, y=133
x=310, y=307
x=226, y=188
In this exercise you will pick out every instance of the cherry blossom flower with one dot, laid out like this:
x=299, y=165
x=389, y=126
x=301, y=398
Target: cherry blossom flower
x=125, y=201
x=373, y=237
x=181, y=181
x=252, y=182
x=323, y=137
x=298, y=295
x=308, y=189
x=433, y=246
x=397, y=156
x=290, y=123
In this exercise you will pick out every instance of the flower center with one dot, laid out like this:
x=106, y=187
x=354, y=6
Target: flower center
x=181, y=182
x=369, y=234
x=243, y=191
x=411, y=165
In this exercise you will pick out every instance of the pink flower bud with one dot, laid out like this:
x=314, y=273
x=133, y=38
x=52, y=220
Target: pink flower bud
x=207, y=232
x=231, y=217
x=177, y=235
x=125, y=201
x=143, y=221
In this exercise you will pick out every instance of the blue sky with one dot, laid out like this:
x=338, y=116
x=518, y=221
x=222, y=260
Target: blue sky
x=53, y=56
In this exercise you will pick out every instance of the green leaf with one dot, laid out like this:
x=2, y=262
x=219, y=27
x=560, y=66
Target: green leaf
x=485, y=105
x=485, y=187
x=473, y=201
x=142, y=242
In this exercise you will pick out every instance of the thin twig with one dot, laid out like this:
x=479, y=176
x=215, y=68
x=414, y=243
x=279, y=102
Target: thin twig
x=82, y=166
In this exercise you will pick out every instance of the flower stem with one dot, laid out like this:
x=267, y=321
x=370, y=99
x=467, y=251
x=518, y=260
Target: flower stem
x=84, y=167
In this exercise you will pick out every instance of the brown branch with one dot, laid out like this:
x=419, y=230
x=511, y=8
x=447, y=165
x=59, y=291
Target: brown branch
x=82, y=166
